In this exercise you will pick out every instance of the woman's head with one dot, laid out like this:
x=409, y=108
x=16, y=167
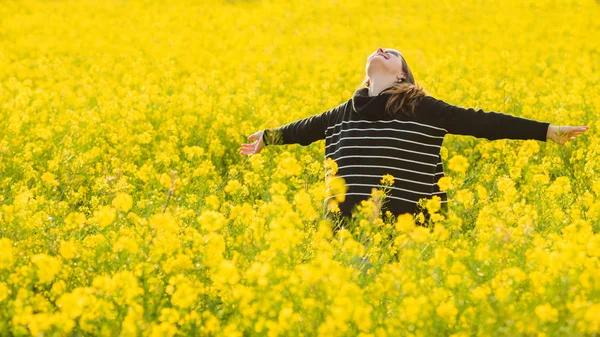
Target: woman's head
x=389, y=65
x=384, y=62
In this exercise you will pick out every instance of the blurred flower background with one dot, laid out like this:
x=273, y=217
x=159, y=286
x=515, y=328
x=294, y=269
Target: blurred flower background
x=126, y=208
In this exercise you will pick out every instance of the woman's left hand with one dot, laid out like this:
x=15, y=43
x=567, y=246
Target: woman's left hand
x=562, y=134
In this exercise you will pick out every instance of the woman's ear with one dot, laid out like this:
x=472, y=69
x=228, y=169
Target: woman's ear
x=402, y=77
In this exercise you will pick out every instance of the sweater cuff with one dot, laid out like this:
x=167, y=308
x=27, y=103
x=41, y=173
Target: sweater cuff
x=543, y=131
x=265, y=136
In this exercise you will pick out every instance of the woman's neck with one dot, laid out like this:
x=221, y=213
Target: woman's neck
x=379, y=84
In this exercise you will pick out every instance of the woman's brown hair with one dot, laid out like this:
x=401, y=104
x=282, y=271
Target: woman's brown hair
x=405, y=95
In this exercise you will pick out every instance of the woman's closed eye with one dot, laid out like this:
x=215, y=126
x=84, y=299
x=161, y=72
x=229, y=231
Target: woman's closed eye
x=393, y=52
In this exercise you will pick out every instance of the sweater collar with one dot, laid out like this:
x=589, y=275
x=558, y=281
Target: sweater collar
x=363, y=103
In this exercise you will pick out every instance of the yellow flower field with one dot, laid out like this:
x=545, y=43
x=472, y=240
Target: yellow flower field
x=126, y=209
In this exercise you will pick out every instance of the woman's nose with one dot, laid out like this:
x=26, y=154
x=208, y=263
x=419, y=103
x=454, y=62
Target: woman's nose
x=380, y=49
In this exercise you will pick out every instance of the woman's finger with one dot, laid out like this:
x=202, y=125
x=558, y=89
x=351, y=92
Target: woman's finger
x=576, y=130
x=256, y=135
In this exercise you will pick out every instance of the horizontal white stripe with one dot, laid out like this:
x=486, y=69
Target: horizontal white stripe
x=402, y=159
x=390, y=129
x=386, y=167
x=367, y=194
x=439, y=173
x=383, y=187
x=389, y=121
x=393, y=138
x=376, y=176
x=379, y=147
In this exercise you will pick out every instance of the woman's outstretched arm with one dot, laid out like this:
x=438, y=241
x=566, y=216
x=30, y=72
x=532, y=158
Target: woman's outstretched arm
x=303, y=131
x=496, y=125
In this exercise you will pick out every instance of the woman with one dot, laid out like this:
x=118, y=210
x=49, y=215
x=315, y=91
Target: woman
x=390, y=126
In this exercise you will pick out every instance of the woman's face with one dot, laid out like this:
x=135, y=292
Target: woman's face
x=385, y=61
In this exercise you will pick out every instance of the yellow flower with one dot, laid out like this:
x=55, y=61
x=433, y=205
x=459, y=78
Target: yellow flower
x=594, y=211
x=232, y=187
x=105, y=215
x=331, y=166
x=49, y=178
x=447, y=310
x=278, y=188
x=546, y=313
x=444, y=152
x=420, y=218
x=333, y=206
x=411, y=307
x=434, y=204
x=464, y=196
x=482, y=193
x=445, y=183
x=453, y=280
x=505, y=183
x=591, y=315
x=6, y=253
x=72, y=304
x=560, y=186
x=514, y=172
x=165, y=180
x=47, y=267
x=419, y=234
x=126, y=243
x=170, y=315
x=596, y=187
x=290, y=166
x=184, y=296
x=211, y=323
x=75, y=220
x=387, y=180
x=226, y=272
x=337, y=187
x=69, y=249
x=211, y=221
x=122, y=201
x=212, y=201
x=458, y=163
x=3, y=291
x=303, y=202
x=163, y=222
x=541, y=178
x=480, y=293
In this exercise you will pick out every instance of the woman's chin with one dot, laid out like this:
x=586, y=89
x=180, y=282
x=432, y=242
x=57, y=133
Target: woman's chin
x=376, y=67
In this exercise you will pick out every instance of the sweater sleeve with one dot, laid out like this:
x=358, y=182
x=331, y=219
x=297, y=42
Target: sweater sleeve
x=490, y=125
x=303, y=131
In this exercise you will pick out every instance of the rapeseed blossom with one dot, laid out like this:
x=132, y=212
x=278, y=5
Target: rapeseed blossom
x=458, y=163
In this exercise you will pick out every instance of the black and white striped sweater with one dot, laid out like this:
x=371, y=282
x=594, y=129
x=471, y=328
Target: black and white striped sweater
x=366, y=143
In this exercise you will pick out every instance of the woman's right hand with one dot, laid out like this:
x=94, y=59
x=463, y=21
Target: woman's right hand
x=256, y=146
x=562, y=134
